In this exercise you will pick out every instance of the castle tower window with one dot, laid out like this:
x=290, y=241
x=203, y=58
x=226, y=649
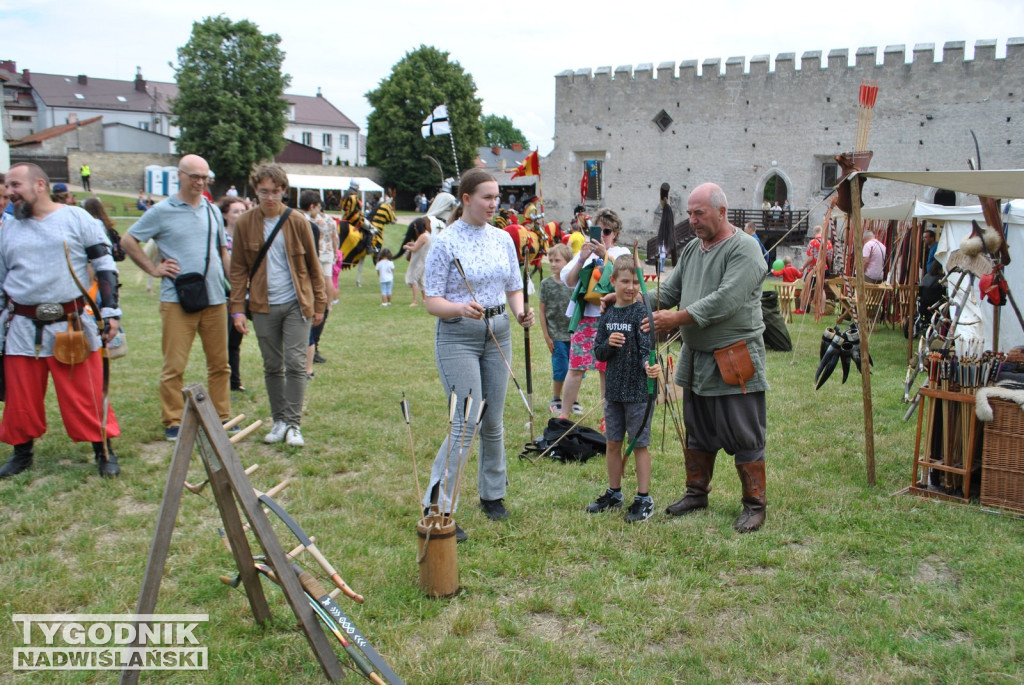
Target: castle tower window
x=829, y=175
x=594, y=169
x=663, y=120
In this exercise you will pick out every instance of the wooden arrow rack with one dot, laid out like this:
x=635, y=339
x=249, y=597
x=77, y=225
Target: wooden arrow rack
x=201, y=426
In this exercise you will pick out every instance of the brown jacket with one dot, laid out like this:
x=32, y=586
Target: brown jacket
x=307, y=275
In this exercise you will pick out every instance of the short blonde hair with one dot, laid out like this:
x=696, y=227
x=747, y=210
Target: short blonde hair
x=623, y=263
x=561, y=250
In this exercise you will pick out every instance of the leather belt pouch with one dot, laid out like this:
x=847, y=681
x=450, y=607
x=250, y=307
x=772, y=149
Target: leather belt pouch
x=71, y=346
x=735, y=364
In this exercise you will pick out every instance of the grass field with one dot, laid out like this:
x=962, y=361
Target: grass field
x=846, y=583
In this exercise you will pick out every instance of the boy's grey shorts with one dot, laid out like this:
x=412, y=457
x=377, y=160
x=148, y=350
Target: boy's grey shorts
x=620, y=417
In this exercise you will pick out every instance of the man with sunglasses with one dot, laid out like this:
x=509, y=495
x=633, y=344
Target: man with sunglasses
x=190, y=234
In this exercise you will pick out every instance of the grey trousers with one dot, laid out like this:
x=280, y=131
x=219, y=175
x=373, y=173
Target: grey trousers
x=468, y=359
x=283, y=335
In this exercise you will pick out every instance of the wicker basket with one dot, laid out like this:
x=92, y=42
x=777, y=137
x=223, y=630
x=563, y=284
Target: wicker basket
x=1002, y=468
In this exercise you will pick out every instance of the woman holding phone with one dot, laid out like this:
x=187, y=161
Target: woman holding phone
x=604, y=233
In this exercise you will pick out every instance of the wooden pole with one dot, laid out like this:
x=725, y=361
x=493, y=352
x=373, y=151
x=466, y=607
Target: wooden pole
x=857, y=235
x=912, y=284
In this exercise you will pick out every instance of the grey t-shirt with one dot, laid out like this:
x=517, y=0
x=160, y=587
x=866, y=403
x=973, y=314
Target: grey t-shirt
x=280, y=287
x=181, y=233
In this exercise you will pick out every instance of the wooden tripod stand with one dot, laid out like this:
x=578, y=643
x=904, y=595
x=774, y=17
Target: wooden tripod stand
x=200, y=426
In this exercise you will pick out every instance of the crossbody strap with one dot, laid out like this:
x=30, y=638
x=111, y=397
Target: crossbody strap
x=209, y=235
x=266, y=243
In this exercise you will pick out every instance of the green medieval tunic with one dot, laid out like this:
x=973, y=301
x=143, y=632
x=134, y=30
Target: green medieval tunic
x=721, y=289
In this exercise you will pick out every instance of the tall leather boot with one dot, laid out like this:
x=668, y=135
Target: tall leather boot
x=700, y=467
x=754, y=500
x=107, y=463
x=20, y=460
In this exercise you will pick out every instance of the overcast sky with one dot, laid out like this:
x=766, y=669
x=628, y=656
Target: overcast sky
x=512, y=49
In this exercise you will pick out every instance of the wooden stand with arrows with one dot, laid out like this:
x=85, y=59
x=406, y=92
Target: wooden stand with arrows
x=201, y=426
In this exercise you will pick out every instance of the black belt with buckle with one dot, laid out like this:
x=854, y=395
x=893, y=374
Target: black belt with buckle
x=491, y=312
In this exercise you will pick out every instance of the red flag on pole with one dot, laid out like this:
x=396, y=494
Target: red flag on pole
x=529, y=167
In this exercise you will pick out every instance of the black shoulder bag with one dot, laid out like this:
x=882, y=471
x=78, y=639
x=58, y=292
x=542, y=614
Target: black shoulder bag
x=263, y=253
x=191, y=287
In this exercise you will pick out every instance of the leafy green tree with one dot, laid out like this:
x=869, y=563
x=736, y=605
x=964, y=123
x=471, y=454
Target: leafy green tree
x=230, y=105
x=502, y=132
x=419, y=82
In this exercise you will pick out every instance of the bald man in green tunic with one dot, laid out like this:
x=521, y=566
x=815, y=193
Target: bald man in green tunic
x=713, y=296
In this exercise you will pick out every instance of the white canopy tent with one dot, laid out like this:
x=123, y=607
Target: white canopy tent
x=339, y=184
x=977, y=319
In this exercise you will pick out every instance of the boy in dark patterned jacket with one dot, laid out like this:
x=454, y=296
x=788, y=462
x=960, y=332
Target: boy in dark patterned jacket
x=625, y=348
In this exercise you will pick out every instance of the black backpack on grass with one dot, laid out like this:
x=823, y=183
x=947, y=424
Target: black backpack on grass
x=580, y=444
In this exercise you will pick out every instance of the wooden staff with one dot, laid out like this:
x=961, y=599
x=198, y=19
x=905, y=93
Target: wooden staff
x=860, y=304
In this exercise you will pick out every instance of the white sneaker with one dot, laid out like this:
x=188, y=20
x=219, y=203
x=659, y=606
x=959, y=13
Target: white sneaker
x=276, y=433
x=293, y=437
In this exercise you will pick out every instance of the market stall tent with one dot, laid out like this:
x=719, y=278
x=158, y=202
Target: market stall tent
x=338, y=184
x=977, y=319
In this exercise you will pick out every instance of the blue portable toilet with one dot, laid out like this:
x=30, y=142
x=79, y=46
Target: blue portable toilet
x=171, y=180
x=155, y=185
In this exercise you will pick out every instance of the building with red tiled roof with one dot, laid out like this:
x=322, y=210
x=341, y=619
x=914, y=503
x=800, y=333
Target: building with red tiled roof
x=56, y=141
x=56, y=99
x=315, y=122
x=138, y=103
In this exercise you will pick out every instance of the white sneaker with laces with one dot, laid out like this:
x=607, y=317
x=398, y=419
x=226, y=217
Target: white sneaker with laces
x=293, y=437
x=276, y=433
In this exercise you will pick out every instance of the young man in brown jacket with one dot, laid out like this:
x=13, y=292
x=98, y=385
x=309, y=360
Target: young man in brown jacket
x=286, y=295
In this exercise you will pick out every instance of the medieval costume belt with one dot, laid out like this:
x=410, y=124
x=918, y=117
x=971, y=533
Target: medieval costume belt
x=48, y=312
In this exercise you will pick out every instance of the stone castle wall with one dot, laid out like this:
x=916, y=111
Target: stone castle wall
x=740, y=126
x=117, y=170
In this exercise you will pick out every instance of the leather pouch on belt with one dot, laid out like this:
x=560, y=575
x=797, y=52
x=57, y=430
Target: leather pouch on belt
x=735, y=364
x=71, y=346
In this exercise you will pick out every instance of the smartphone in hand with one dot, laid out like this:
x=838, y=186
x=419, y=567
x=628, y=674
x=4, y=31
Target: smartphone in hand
x=595, y=233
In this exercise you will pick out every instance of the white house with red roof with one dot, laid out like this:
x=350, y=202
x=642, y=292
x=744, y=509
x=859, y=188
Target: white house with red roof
x=57, y=99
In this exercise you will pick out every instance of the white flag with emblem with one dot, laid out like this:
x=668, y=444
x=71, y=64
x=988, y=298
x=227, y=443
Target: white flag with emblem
x=437, y=123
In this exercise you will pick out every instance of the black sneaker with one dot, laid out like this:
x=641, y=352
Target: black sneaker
x=608, y=500
x=641, y=509
x=494, y=508
x=317, y=359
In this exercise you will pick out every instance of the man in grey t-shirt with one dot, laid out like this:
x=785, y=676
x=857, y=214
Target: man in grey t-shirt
x=187, y=228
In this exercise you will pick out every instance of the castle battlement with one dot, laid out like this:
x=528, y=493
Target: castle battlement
x=866, y=58
x=776, y=122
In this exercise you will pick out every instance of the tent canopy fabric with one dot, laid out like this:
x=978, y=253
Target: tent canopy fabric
x=308, y=182
x=929, y=212
x=1006, y=184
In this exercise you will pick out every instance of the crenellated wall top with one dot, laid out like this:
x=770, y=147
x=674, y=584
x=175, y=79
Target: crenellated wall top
x=893, y=56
